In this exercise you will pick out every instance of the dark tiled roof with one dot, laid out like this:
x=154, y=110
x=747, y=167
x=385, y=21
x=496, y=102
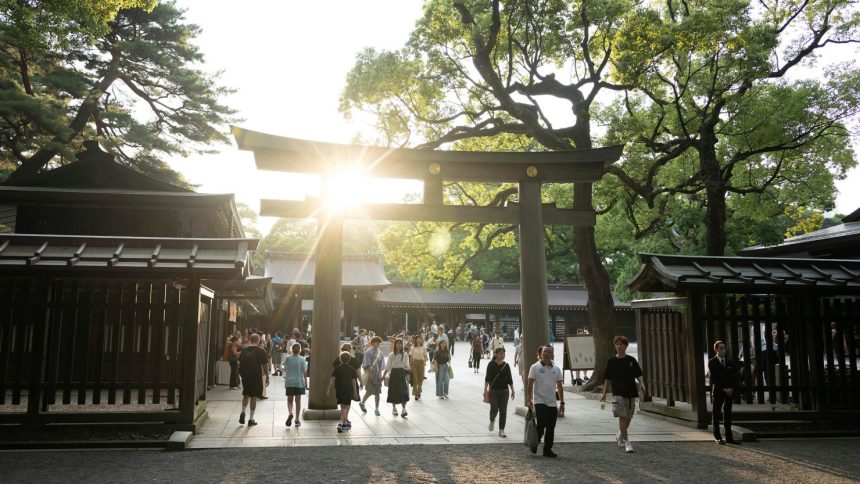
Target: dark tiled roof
x=842, y=240
x=292, y=269
x=95, y=169
x=559, y=296
x=673, y=272
x=116, y=256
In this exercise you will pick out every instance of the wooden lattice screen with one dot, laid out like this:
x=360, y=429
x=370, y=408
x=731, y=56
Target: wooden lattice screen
x=73, y=346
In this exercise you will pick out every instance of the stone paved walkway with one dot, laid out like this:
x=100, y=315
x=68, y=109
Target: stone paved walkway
x=462, y=419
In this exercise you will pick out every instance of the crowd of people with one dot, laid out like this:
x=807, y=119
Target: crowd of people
x=362, y=366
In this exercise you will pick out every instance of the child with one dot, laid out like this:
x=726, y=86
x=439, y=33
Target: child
x=342, y=379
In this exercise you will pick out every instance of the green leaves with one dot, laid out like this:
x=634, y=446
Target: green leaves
x=122, y=71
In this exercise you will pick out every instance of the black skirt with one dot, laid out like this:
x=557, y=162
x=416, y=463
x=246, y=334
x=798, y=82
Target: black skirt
x=398, y=389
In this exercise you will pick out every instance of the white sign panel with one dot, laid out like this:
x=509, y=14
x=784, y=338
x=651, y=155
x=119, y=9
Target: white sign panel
x=580, y=352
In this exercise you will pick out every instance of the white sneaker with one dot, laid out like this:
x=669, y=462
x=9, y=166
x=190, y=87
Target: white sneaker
x=628, y=446
x=502, y=433
x=492, y=425
x=619, y=439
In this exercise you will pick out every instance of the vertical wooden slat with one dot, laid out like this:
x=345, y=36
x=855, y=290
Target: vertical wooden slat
x=38, y=322
x=781, y=328
x=156, y=321
x=65, y=360
x=144, y=321
x=823, y=332
x=128, y=361
x=116, y=317
x=760, y=370
x=54, y=342
x=6, y=301
x=174, y=319
x=770, y=367
x=19, y=330
x=83, y=350
x=664, y=353
x=851, y=321
x=748, y=350
x=674, y=363
x=733, y=338
x=102, y=300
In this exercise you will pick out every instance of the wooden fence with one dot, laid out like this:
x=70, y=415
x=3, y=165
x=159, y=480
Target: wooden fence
x=82, y=350
x=800, y=351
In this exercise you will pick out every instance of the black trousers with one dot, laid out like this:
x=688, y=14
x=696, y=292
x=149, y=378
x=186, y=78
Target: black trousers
x=546, y=417
x=499, y=406
x=722, y=402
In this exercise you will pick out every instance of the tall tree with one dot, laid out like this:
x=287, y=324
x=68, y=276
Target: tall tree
x=477, y=69
x=130, y=77
x=715, y=113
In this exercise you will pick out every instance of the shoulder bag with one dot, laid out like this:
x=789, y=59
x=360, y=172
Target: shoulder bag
x=487, y=393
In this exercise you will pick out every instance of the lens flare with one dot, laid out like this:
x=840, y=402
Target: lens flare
x=439, y=243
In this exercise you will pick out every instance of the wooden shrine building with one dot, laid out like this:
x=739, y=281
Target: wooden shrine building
x=792, y=323
x=372, y=302
x=117, y=291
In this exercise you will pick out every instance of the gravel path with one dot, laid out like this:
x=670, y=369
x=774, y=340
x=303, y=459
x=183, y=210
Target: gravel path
x=818, y=461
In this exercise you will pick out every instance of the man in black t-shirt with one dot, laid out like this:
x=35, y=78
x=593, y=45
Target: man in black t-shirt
x=253, y=368
x=623, y=370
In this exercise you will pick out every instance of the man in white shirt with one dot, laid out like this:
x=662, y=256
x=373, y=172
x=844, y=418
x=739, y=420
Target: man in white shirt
x=545, y=379
x=433, y=327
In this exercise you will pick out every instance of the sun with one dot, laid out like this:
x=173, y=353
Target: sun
x=344, y=190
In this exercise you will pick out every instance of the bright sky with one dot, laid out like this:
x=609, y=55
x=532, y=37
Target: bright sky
x=288, y=59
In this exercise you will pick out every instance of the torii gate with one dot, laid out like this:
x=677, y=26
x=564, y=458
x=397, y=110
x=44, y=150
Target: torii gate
x=528, y=169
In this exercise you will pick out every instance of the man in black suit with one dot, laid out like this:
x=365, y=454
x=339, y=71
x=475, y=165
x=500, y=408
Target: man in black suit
x=723, y=383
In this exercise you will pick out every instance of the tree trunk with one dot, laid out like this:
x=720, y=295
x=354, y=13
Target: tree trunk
x=715, y=210
x=601, y=306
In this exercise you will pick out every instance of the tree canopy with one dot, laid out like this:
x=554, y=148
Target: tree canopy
x=715, y=115
x=123, y=71
x=717, y=133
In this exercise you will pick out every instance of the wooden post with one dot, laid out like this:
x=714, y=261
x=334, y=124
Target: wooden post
x=326, y=315
x=433, y=191
x=534, y=305
x=189, y=308
x=695, y=343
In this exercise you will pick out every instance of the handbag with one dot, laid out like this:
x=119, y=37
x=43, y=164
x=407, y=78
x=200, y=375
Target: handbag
x=487, y=393
x=387, y=380
x=367, y=371
x=470, y=362
x=530, y=436
x=450, y=372
x=356, y=396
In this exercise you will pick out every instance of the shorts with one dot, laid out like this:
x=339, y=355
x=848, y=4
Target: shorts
x=293, y=391
x=372, y=388
x=624, y=406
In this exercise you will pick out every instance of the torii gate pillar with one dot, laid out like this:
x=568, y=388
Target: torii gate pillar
x=533, y=291
x=326, y=322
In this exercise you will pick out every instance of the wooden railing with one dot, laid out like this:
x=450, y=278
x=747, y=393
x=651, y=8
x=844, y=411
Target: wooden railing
x=98, y=350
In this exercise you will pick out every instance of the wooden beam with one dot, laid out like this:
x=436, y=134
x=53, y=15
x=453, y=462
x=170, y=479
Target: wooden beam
x=303, y=156
x=430, y=213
